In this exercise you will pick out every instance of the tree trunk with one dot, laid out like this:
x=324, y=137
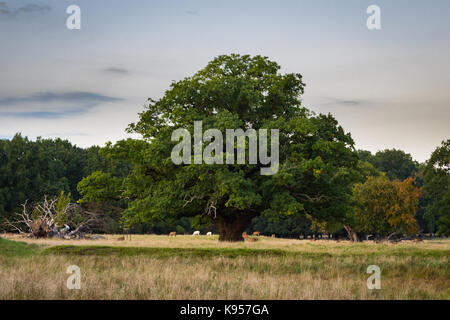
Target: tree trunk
x=353, y=236
x=232, y=226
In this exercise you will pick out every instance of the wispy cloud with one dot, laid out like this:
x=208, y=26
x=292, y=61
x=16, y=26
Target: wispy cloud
x=116, y=70
x=345, y=102
x=28, y=8
x=44, y=114
x=72, y=96
x=52, y=105
x=192, y=12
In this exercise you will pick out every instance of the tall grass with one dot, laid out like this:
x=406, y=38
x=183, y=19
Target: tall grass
x=205, y=269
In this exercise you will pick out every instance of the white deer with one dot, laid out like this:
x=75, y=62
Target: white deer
x=196, y=233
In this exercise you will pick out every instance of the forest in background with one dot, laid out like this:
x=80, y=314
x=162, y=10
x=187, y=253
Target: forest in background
x=30, y=170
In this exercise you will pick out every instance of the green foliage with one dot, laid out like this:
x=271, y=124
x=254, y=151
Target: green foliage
x=30, y=170
x=179, y=230
x=395, y=163
x=99, y=159
x=200, y=222
x=99, y=187
x=282, y=226
x=437, y=188
x=60, y=207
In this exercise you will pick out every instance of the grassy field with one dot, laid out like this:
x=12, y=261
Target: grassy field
x=187, y=267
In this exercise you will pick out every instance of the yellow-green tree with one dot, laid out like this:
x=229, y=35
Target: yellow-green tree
x=403, y=212
x=384, y=207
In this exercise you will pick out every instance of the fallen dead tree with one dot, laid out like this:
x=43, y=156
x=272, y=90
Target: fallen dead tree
x=56, y=217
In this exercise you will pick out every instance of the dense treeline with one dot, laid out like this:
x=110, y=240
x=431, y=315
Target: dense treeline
x=387, y=170
x=29, y=170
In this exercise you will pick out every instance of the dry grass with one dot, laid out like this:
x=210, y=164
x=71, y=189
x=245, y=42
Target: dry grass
x=312, y=270
x=203, y=241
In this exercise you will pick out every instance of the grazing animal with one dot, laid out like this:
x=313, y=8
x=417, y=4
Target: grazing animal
x=256, y=233
x=244, y=235
x=273, y=235
x=173, y=233
x=196, y=233
x=121, y=239
x=209, y=233
x=417, y=240
x=253, y=239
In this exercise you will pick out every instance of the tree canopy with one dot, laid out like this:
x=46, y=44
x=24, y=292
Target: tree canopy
x=437, y=188
x=397, y=164
x=317, y=158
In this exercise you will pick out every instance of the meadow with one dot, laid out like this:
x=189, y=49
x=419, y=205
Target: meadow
x=201, y=267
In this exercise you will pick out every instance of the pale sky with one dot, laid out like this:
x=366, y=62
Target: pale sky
x=388, y=87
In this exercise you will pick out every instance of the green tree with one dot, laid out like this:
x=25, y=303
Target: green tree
x=60, y=207
x=364, y=170
x=99, y=187
x=437, y=189
x=395, y=163
x=316, y=156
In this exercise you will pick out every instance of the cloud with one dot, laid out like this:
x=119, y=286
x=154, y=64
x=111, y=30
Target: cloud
x=29, y=8
x=44, y=114
x=345, y=102
x=32, y=7
x=192, y=12
x=72, y=96
x=45, y=105
x=116, y=70
x=4, y=9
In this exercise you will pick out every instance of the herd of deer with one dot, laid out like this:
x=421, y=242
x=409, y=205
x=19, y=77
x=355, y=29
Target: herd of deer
x=244, y=236
x=196, y=233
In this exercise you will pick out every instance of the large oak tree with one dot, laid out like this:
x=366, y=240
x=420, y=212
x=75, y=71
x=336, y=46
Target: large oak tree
x=317, y=158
